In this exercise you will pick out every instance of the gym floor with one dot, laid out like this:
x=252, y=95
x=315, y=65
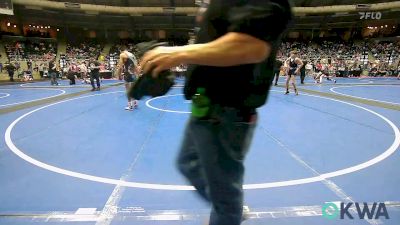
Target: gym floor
x=71, y=156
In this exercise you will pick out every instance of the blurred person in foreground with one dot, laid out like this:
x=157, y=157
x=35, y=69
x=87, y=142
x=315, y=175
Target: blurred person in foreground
x=229, y=77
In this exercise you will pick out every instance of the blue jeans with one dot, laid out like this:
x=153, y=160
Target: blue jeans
x=212, y=156
x=53, y=77
x=95, y=76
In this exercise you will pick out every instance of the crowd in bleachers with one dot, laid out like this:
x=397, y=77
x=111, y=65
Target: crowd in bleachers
x=27, y=56
x=83, y=51
x=116, y=49
x=28, y=50
x=333, y=57
x=385, y=51
x=347, y=59
x=77, y=57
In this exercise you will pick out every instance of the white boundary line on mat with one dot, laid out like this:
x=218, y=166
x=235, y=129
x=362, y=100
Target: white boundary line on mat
x=388, y=152
x=33, y=100
x=371, y=99
x=5, y=95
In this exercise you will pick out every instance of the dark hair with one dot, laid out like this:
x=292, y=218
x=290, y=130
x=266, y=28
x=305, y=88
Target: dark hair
x=124, y=48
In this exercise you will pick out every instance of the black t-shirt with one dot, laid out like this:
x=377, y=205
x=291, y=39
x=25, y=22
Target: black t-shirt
x=52, y=68
x=10, y=68
x=129, y=66
x=247, y=85
x=303, y=67
x=94, y=64
x=278, y=65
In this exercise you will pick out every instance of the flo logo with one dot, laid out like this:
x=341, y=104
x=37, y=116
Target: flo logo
x=370, y=15
x=364, y=211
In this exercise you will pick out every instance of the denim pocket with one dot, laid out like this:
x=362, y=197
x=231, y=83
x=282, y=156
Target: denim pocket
x=237, y=139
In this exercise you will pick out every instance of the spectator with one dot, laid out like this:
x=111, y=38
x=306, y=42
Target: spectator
x=94, y=66
x=53, y=72
x=10, y=69
x=29, y=65
x=41, y=69
x=83, y=70
x=72, y=73
x=83, y=51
